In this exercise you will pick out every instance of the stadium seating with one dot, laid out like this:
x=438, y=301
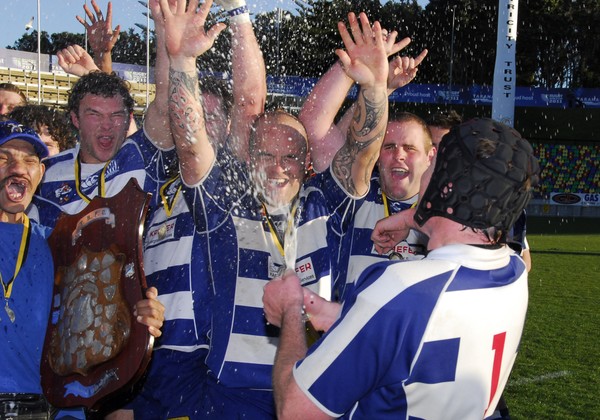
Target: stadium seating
x=568, y=168
x=54, y=87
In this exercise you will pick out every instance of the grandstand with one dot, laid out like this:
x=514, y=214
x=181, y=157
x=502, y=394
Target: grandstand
x=55, y=86
x=569, y=168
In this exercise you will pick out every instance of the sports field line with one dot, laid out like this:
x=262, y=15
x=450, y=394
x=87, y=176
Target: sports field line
x=541, y=378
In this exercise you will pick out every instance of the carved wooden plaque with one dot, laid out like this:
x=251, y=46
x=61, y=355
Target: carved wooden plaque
x=95, y=350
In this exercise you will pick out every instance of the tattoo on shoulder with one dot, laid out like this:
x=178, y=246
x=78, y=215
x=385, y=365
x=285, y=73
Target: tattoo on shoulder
x=367, y=128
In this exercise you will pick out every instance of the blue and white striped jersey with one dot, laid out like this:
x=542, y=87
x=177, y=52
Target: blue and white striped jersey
x=68, y=185
x=422, y=339
x=175, y=263
x=243, y=256
x=350, y=226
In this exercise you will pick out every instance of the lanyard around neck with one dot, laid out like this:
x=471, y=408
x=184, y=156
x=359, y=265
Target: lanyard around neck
x=23, y=248
x=101, y=181
x=387, y=208
x=169, y=202
x=277, y=238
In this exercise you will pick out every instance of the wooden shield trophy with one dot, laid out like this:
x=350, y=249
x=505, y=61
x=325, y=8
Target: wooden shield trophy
x=95, y=349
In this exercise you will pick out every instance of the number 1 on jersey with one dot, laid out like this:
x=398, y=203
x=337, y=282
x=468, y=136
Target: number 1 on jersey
x=498, y=347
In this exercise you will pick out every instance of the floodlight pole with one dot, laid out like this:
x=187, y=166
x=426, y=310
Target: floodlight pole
x=85, y=29
x=279, y=12
x=451, y=56
x=39, y=51
x=147, y=54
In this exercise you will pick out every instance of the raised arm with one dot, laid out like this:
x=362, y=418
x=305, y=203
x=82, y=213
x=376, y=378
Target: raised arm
x=76, y=61
x=249, y=76
x=328, y=95
x=365, y=61
x=156, y=119
x=318, y=114
x=101, y=36
x=186, y=40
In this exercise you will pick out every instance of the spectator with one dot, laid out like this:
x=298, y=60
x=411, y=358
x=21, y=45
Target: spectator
x=51, y=125
x=10, y=97
x=440, y=124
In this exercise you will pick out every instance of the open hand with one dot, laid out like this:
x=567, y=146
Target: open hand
x=76, y=61
x=184, y=29
x=101, y=36
x=365, y=57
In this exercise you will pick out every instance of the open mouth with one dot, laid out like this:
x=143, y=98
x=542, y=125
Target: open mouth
x=277, y=182
x=16, y=189
x=105, y=142
x=399, y=172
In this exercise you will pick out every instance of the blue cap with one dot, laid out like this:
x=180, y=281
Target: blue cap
x=12, y=130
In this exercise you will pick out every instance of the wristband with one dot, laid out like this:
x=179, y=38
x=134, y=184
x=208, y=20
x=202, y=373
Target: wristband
x=239, y=14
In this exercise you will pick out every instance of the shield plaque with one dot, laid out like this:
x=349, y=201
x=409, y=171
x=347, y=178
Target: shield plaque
x=95, y=350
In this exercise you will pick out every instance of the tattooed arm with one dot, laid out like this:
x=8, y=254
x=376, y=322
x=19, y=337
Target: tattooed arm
x=186, y=40
x=365, y=61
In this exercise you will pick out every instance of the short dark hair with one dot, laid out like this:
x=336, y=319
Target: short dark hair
x=37, y=116
x=9, y=87
x=401, y=117
x=444, y=119
x=102, y=84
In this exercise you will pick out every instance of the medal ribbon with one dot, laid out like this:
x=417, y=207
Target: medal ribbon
x=388, y=209
x=101, y=181
x=169, y=204
x=23, y=248
x=279, y=241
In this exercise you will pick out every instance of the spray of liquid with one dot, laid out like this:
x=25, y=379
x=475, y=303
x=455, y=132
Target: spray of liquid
x=290, y=247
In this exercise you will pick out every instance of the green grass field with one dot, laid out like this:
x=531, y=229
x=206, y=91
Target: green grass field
x=557, y=372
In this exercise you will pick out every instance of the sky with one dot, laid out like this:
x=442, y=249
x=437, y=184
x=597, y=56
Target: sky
x=59, y=15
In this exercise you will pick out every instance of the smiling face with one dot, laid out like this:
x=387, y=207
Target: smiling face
x=20, y=173
x=405, y=155
x=102, y=123
x=278, y=158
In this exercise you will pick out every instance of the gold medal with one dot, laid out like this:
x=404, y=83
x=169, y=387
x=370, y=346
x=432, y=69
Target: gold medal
x=9, y=312
x=395, y=256
x=8, y=286
x=162, y=232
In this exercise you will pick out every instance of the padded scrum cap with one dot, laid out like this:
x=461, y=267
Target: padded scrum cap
x=483, y=176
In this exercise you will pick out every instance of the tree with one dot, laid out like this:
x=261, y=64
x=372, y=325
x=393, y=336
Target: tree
x=64, y=39
x=557, y=43
x=130, y=48
x=29, y=42
x=473, y=47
